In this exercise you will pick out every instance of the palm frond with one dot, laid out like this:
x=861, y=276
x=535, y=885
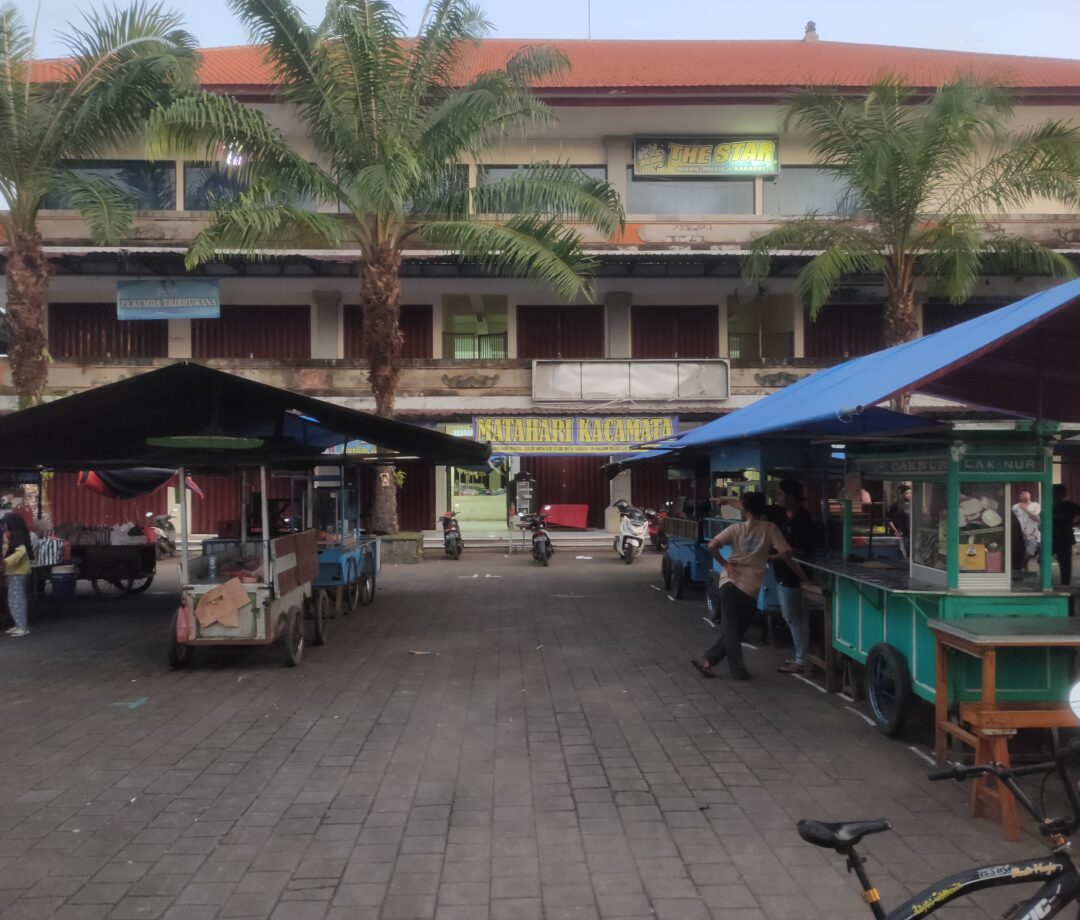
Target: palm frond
x=107, y=209
x=554, y=190
x=446, y=31
x=207, y=126
x=525, y=246
x=257, y=224
x=950, y=253
x=1015, y=254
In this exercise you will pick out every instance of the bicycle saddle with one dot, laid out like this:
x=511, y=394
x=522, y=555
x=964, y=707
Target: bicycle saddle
x=839, y=835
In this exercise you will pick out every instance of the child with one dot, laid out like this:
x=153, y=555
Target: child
x=17, y=571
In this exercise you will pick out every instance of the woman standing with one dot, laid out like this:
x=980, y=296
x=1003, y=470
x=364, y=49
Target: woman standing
x=17, y=571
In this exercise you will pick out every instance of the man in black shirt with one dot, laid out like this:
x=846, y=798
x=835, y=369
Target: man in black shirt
x=798, y=527
x=899, y=516
x=1065, y=514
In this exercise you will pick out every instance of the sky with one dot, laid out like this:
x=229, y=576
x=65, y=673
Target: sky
x=1047, y=28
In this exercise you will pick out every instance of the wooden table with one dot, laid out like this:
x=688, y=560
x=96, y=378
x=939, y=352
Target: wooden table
x=981, y=637
x=991, y=726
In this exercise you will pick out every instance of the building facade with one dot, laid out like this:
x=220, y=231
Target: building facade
x=671, y=335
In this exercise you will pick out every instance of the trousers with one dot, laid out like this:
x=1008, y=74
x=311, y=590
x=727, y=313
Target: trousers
x=737, y=611
x=791, y=606
x=17, y=603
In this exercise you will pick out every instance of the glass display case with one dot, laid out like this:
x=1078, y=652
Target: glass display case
x=928, y=527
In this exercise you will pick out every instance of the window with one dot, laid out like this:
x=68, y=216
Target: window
x=684, y=197
x=209, y=185
x=474, y=326
x=797, y=190
x=928, y=530
x=760, y=329
x=150, y=183
x=493, y=175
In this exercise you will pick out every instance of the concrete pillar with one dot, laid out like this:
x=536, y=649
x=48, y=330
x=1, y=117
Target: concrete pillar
x=179, y=338
x=798, y=320
x=617, y=316
x=441, y=498
x=327, y=334
x=620, y=152
x=438, y=325
x=511, y=328
x=722, y=329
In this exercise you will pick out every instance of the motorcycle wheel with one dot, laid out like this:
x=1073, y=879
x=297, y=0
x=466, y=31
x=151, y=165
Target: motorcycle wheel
x=544, y=556
x=628, y=553
x=454, y=549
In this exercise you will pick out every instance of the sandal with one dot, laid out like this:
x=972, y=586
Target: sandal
x=703, y=668
x=790, y=667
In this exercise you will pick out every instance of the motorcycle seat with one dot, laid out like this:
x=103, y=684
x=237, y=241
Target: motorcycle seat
x=839, y=835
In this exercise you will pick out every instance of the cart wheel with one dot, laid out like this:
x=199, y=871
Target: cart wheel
x=294, y=638
x=140, y=584
x=179, y=653
x=678, y=581
x=321, y=616
x=367, y=588
x=712, y=600
x=353, y=589
x=111, y=582
x=888, y=685
x=665, y=570
x=628, y=553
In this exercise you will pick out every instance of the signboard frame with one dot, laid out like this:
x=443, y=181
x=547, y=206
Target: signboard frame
x=168, y=298
x=712, y=156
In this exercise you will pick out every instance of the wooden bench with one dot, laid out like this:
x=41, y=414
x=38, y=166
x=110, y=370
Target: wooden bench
x=987, y=727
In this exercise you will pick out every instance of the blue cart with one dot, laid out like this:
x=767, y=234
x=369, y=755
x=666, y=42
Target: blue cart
x=349, y=560
x=686, y=559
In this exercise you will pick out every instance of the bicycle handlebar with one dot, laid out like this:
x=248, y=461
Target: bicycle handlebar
x=1008, y=776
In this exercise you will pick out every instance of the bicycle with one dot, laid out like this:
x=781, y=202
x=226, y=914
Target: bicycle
x=1058, y=871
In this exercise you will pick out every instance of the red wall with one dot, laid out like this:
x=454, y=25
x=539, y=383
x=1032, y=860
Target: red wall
x=72, y=503
x=92, y=331
x=416, y=330
x=222, y=501
x=844, y=331
x=260, y=332
x=560, y=332
x=651, y=488
x=674, y=332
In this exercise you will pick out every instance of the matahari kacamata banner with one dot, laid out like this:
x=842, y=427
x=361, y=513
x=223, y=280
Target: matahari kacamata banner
x=572, y=434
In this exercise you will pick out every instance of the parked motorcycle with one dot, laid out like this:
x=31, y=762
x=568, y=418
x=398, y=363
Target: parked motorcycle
x=451, y=534
x=656, y=519
x=164, y=534
x=633, y=531
x=541, y=542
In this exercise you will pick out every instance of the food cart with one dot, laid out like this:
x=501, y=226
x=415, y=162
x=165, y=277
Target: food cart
x=114, y=571
x=349, y=560
x=227, y=600
x=253, y=588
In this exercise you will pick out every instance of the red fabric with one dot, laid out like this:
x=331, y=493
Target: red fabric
x=576, y=516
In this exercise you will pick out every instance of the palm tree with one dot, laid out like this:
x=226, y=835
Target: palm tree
x=122, y=64
x=392, y=123
x=922, y=176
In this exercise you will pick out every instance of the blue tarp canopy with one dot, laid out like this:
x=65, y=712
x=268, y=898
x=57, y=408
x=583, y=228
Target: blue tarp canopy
x=1021, y=360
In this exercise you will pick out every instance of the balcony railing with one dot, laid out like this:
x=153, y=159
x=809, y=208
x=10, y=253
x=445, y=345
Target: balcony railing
x=467, y=346
x=640, y=380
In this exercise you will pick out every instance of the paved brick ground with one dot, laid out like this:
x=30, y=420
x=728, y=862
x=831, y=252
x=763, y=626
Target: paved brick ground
x=555, y=757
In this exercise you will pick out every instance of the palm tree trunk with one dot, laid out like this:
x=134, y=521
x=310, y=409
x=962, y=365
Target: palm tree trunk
x=381, y=299
x=27, y=276
x=900, y=319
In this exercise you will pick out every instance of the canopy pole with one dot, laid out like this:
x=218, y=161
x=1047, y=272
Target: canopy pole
x=184, y=561
x=309, y=513
x=243, y=512
x=265, y=525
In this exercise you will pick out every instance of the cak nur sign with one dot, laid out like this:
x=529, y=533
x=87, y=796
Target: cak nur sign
x=571, y=434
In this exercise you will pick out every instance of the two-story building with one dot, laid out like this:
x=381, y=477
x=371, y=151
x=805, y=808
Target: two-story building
x=672, y=335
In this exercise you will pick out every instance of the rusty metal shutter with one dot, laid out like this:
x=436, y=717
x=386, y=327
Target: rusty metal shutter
x=222, y=501
x=416, y=330
x=545, y=332
x=282, y=333
x=71, y=503
x=674, y=332
x=92, y=331
x=570, y=481
x=844, y=331
x=651, y=488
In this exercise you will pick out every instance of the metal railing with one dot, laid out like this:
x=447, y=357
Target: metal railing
x=466, y=346
x=760, y=346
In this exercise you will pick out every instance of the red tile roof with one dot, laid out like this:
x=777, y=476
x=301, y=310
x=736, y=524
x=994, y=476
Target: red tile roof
x=724, y=66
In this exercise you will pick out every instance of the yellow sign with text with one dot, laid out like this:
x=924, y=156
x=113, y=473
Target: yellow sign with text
x=705, y=157
x=572, y=434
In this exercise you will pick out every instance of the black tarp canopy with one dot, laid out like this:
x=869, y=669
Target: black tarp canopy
x=190, y=415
